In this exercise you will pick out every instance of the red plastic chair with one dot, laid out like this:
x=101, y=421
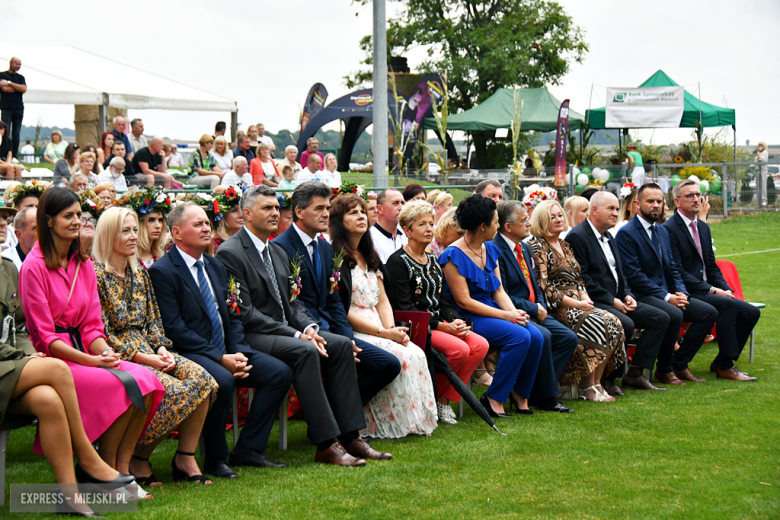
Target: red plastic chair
x=731, y=274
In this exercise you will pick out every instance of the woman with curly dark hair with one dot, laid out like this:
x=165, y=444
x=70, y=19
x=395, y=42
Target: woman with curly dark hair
x=470, y=266
x=407, y=405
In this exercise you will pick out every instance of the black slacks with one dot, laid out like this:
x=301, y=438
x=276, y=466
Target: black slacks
x=655, y=325
x=736, y=319
x=331, y=407
x=13, y=119
x=270, y=377
x=699, y=314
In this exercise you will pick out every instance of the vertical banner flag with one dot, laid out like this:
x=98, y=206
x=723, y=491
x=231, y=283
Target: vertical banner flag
x=315, y=101
x=644, y=107
x=560, y=144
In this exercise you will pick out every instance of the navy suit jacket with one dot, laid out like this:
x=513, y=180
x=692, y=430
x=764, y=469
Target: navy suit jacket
x=512, y=279
x=594, y=267
x=324, y=309
x=183, y=309
x=687, y=257
x=646, y=271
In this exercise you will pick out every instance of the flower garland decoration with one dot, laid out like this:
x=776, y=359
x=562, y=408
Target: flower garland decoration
x=284, y=202
x=348, y=188
x=28, y=189
x=146, y=201
x=295, y=276
x=233, y=299
x=91, y=203
x=534, y=194
x=626, y=190
x=335, y=276
x=224, y=202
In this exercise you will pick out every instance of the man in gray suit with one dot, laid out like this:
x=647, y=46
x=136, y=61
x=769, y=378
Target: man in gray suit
x=281, y=328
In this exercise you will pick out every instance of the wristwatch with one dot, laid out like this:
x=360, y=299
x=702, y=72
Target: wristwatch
x=378, y=332
x=712, y=290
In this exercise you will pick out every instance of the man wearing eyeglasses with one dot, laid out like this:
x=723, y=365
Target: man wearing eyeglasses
x=692, y=250
x=115, y=174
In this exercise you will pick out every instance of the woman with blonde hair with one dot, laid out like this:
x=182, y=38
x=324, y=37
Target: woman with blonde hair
x=86, y=164
x=152, y=227
x=203, y=166
x=445, y=233
x=55, y=150
x=442, y=204
x=330, y=166
x=133, y=328
x=599, y=333
x=628, y=208
x=263, y=169
x=576, y=209
x=432, y=196
x=223, y=154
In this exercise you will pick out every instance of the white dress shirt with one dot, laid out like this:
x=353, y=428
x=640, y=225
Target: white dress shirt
x=190, y=261
x=307, y=242
x=647, y=225
x=604, y=243
x=260, y=245
x=13, y=255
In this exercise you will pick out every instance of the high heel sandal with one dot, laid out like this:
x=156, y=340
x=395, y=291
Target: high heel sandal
x=151, y=480
x=483, y=379
x=607, y=398
x=179, y=475
x=599, y=396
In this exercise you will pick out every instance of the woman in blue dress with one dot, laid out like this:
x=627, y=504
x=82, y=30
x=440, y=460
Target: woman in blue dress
x=470, y=266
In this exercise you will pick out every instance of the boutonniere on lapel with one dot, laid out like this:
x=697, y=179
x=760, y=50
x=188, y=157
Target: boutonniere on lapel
x=234, y=292
x=295, y=277
x=335, y=276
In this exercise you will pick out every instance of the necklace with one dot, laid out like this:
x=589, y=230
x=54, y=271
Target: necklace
x=472, y=250
x=409, y=250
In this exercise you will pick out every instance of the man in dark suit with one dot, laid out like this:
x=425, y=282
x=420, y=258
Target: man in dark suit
x=692, y=249
x=310, y=205
x=602, y=273
x=192, y=290
x=653, y=277
x=518, y=277
x=281, y=328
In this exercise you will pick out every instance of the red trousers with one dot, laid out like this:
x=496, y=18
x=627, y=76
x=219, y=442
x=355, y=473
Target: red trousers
x=463, y=355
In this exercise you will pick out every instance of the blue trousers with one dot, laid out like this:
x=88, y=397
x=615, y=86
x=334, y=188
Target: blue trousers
x=560, y=342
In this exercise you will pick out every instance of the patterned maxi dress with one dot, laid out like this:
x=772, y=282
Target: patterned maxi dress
x=133, y=325
x=599, y=333
x=407, y=405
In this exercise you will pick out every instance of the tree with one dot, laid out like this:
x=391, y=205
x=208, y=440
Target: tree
x=483, y=45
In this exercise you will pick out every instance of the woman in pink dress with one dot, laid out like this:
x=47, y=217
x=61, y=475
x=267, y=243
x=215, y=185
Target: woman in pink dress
x=59, y=296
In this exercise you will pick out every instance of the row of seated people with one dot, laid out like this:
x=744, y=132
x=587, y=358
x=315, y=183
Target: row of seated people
x=265, y=314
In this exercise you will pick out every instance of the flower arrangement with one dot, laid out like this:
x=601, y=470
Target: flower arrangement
x=295, y=276
x=234, y=292
x=146, y=201
x=335, y=276
x=703, y=173
x=90, y=203
x=28, y=189
x=224, y=202
x=284, y=202
x=534, y=194
x=348, y=187
x=626, y=190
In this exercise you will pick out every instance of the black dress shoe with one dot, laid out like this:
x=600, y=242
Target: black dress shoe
x=486, y=404
x=551, y=404
x=85, y=478
x=219, y=469
x=253, y=458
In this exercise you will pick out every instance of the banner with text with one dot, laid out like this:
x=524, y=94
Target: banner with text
x=647, y=107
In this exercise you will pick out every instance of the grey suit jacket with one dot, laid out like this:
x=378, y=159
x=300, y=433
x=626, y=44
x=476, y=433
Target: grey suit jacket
x=261, y=312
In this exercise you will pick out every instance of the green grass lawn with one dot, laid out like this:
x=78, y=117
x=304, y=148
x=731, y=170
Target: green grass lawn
x=703, y=451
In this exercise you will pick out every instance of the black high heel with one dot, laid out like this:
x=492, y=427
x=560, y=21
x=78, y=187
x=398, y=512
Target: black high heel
x=85, y=478
x=146, y=481
x=179, y=475
x=486, y=404
x=513, y=404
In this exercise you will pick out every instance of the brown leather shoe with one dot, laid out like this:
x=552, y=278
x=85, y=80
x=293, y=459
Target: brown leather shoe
x=360, y=448
x=611, y=387
x=337, y=456
x=668, y=379
x=686, y=375
x=734, y=374
x=640, y=383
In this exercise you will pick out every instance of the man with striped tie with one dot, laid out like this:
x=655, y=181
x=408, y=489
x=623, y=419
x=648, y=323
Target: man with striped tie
x=192, y=291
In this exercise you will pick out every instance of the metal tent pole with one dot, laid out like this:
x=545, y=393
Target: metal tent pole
x=379, y=137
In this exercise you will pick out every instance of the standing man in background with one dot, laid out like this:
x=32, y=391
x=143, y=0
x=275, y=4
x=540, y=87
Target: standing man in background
x=636, y=165
x=13, y=87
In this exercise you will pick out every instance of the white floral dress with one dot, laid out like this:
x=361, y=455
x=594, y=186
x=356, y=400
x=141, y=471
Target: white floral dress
x=407, y=405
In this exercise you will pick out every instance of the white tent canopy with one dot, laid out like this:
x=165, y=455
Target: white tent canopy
x=72, y=76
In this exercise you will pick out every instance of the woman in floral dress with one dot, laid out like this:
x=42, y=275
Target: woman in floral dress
x=134, y=329
x=408, y=404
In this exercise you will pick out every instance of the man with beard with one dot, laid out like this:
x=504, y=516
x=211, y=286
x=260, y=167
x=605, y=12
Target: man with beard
x=654, y=279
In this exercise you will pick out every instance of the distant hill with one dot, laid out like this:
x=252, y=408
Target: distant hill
x=28, y=132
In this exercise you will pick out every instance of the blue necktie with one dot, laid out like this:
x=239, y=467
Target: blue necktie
x=315, y=258
x=655, y=241
x=217, y=336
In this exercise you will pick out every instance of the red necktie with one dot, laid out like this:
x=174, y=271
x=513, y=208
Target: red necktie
x=526, y=273
x=697, y=243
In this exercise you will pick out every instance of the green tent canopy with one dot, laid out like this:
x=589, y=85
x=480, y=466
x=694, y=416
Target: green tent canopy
x=540, y=112
x=711, y=115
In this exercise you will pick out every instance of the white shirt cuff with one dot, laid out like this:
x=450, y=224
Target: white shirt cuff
x=666, y=298
x=316, y=330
